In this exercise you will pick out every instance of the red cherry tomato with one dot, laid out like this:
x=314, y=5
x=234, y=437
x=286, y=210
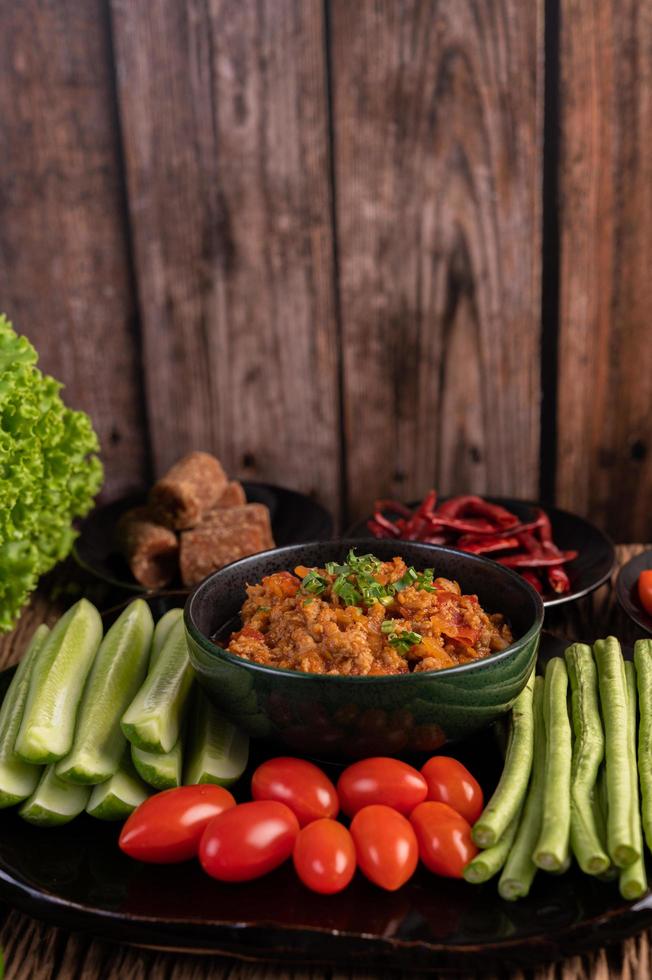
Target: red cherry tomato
x=645, y=590
x=324, y=856
x=299, y=784
x=385, y=845
x=167, y=827
x=380, y=780
x=445, y=844
x=248, y=841
x=451, y=782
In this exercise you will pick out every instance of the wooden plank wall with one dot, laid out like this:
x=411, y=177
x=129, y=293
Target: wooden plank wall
x=437, y=176
x=223, y=110
x=604, y=463
x=306, y=234
x=65, y=275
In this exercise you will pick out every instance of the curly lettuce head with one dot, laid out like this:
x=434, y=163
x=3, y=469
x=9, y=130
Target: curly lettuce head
x=48, y=472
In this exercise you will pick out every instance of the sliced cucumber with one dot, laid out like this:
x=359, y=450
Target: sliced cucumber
x=118, y=796
x=218, y=751
x=54, y=801
x=56, y=684
x=116, y=675
x=18, y=779
x=162, y=770
x=153, y=719
x=161, y=633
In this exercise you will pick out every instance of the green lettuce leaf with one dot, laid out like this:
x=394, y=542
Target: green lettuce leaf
x=49, y=472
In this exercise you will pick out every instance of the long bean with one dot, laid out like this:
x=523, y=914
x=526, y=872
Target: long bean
x=615, y=713
x=600, y=811
x=643, y=662
x=551, y=850
x=489, y=862
x=512, y=786
x=633, y=880
x=519, y=871
x=588, y=750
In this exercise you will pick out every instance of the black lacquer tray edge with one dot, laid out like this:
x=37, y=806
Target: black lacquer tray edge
x=313, y=946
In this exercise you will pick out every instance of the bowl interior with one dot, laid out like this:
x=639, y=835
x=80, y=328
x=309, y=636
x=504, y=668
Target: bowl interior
x=213, y=609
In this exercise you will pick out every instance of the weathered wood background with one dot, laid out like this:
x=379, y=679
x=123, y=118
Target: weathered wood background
x=355, y=248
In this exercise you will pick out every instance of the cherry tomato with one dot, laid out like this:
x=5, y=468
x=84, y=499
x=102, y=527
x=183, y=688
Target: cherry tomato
x=645, y=590
x=167, y=827
x=380, y=780
x=324, y=856
x=248, y=841
x=451, y=782
x=445, y=844
x=385, y=845
x=299, y=784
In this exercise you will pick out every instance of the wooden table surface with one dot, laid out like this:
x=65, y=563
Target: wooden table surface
x=35, y=951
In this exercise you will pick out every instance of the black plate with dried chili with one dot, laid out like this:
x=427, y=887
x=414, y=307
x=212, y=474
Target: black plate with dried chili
x=562, y=555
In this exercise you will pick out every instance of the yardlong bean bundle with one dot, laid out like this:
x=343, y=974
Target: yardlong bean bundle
x=615, y=713
x=600, y=811
x=643, y=662
x=588, y=751
x=633, y=880
x=519, y=871
x=551, y=850
x=510, y=792
x=488, y=863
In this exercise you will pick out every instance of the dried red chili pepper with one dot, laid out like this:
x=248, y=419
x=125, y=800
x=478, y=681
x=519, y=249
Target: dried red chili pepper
x=558, y=580
x=537, y=561
x=380, y=529
x=478, y=526
x=473, y=504
x=427, y=506
x=483, y=546
x=533, y=579
x=557, y=577
x=530, y=544
x=468, y=525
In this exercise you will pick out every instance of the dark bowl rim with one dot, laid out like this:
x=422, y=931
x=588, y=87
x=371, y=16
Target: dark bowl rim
x=283, y=672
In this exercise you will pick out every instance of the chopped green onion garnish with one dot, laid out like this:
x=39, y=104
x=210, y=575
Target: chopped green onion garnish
x=333, y=568
x=409, y=578
x=424, y=580
x=356, y=584
x=346, y=591
x=408, y=636
x=314, y=583
x=401, y=640
x=363, y=563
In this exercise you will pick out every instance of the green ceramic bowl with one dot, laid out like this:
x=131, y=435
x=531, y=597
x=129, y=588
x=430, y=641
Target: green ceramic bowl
x=351, y=717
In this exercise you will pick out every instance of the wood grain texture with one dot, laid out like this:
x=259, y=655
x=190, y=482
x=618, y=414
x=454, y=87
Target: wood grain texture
x=223, y=108
x=605, y=180
x=437, y=129
x=36, y=951
x=64, y=270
